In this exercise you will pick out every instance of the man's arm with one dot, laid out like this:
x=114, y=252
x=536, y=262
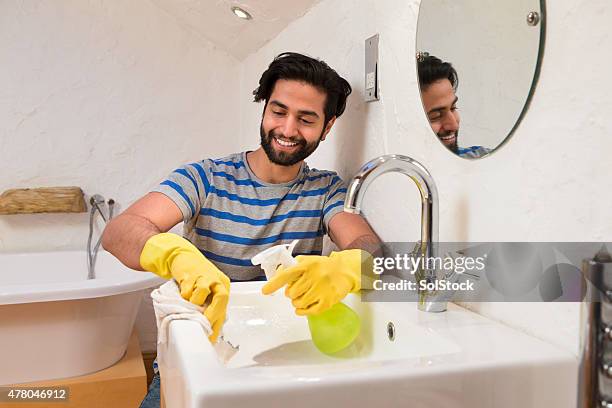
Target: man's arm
x=126, y=235
x=352, y=231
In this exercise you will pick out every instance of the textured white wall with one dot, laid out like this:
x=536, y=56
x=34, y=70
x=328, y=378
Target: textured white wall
x=549, y=183
x=107, y=95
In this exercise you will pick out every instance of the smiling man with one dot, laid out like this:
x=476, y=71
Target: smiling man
x=438, y=81
x=236, y=206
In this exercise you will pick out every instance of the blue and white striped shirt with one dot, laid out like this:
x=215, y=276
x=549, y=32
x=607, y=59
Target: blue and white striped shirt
x=231, y=215
x=473, y=152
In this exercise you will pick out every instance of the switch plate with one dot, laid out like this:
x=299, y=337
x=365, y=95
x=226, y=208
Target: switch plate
x=371, y=68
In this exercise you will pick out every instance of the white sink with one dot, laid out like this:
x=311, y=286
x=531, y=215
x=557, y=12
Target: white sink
x=451, y=359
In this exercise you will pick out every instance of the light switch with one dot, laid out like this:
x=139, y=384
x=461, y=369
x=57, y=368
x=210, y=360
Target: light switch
x=371, y=68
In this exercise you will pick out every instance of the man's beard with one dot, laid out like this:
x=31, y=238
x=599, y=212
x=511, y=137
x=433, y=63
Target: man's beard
x=455, y=146
x=302, y=151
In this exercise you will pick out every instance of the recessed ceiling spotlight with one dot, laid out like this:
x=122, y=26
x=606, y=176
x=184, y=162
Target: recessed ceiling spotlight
x=241, y=13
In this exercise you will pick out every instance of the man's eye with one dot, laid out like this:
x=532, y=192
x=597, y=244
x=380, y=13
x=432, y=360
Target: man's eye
x=434, y=118
x=307, y=122
x=278, y=113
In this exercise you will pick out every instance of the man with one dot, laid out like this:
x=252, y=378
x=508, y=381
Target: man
x=438, y=81
x=236, y=206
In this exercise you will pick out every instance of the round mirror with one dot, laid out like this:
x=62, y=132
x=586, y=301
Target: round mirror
x=478, y=63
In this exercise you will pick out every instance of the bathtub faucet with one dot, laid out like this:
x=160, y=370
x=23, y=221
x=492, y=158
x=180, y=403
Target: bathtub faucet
x=97, y=202
x=428, y=301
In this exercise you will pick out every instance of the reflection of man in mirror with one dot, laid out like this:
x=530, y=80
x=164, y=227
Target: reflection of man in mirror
x=439, y=81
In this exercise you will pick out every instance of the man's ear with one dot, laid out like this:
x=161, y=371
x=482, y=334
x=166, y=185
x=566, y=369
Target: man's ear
x=328, y=127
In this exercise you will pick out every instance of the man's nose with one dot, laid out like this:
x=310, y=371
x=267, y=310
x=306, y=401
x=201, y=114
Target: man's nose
x=451, y=122
x=290, y=127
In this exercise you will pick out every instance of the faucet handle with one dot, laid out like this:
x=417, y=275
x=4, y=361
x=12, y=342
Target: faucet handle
x=96, y=199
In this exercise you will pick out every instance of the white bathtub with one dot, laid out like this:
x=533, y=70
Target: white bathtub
x=54, y=323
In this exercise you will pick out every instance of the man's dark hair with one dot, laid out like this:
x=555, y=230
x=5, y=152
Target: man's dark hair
x=432, y=69
x=294, y=66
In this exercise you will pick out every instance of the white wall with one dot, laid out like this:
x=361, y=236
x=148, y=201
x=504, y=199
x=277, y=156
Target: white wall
x=549, y=183
x=107, y=95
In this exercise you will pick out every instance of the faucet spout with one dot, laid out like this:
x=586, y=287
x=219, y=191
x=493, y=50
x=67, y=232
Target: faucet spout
x=429, y=206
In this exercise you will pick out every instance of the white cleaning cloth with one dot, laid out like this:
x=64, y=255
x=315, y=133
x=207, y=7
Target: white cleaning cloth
x=169, y=306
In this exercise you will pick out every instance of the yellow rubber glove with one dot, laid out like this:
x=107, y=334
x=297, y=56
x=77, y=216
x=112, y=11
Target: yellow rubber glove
x=317, y=283
x=200, y=281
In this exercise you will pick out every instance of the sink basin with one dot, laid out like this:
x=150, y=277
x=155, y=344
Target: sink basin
x=403, y=357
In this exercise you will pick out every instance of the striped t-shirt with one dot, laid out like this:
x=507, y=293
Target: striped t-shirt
x=473, y=152
x=231, y=215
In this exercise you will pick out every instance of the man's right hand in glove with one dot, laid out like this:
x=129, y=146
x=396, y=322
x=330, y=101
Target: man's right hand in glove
x=200, y=281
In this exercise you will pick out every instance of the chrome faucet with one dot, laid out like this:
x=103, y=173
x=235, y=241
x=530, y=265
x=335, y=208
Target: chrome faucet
x=428, y=301
x=96, y=202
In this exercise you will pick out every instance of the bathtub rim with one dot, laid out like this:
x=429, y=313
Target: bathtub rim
x=73, y=290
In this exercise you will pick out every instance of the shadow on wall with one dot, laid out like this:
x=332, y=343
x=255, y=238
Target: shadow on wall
x=46, y=232
x=350, y=137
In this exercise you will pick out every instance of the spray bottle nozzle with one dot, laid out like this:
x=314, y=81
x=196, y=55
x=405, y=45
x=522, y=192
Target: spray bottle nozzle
x=271, y=258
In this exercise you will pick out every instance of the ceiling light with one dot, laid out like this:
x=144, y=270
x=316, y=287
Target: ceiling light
x=241, y=13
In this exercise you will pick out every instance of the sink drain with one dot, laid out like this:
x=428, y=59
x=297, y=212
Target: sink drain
x=391, y=331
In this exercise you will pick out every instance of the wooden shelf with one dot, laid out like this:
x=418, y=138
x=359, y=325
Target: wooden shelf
x=42, y=200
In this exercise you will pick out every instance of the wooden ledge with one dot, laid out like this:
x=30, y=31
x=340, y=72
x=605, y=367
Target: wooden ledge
x=42, y=200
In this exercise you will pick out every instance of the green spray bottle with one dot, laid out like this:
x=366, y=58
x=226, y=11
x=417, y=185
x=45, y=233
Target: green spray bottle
x=332, y=330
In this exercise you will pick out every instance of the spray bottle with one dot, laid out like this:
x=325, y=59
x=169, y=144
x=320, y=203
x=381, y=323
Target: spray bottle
x=332, y=330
